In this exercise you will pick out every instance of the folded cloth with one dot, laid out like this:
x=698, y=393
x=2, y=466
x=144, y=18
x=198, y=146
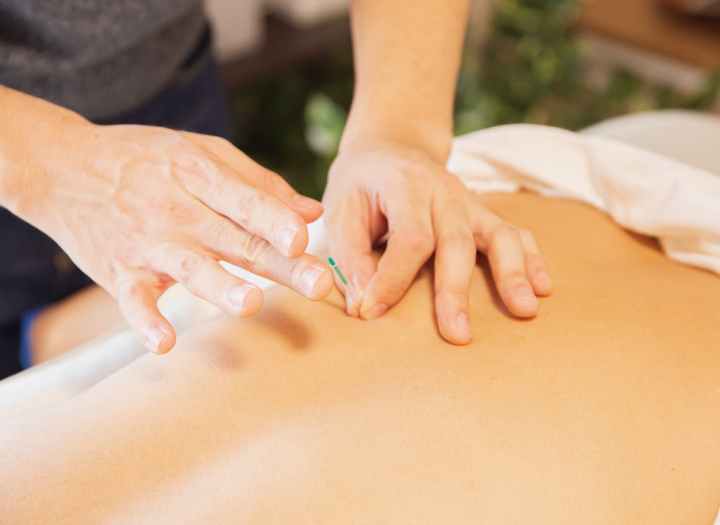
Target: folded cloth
x=642, y=191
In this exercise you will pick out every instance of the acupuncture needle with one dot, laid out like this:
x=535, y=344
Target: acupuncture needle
x=338, y=271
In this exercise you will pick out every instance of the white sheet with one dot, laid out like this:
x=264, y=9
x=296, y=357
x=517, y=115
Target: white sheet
x=642, y=191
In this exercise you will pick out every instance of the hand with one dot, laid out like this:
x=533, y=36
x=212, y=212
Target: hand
x=139, y=208
x=384, y=190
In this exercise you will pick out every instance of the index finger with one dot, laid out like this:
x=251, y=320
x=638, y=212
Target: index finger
x=350, y=244
x=408, y=249
x=260, y=177
x=257, y=211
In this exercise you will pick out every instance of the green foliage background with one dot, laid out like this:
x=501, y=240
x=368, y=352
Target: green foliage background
x=532, y=68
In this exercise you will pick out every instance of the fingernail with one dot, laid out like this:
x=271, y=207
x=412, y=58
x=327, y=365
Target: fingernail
x=524, y=293
x=237, y=297
x=153, y=339
x=350, y=306
x=353, y=302
x=354, y=295
x=374, y=311
x=525, y=298
x=544, y=281
x=309, y=279
x=462, y=326
x=286, y=238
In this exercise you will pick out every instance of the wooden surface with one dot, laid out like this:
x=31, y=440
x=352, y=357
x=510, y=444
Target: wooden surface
x=647, y=25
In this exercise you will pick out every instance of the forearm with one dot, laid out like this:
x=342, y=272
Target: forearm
x=407, y=56
x=30, y=130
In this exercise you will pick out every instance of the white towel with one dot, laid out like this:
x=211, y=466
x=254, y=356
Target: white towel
x=642, y=191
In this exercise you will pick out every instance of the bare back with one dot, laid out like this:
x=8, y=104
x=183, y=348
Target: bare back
x=604, y=409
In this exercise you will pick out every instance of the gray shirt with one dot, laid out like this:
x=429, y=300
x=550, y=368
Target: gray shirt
x=97, y=57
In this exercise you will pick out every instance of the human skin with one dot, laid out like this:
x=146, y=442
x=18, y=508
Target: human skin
x=604, y=409
x=389, y=178
x=139, y=208
x=86, y=315
x=92, y=188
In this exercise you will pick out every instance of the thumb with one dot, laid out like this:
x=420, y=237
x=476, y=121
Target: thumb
x=350, y=244
x=137, y=294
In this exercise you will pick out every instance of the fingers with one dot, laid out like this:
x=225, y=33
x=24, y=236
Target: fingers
x=517, y=265
x=204, y=277
x=350, y=245
x=535, y=265
x=259, y=177
x=305, y=274
x=137, y=294
x=309, y=209
x=408, y=248
x=255, y=210
x=454, y=264
x=507, y=262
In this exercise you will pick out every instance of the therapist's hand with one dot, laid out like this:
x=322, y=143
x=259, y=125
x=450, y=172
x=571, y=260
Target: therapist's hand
x=381, y=189
x=139, y=208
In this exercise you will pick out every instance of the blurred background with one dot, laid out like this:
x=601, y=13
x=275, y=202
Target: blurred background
x=287, y=65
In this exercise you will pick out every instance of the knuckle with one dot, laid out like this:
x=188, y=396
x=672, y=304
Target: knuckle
x=254, y=249
x=194, y=170
x=252, y=200
x=135, y=291
x=412, y=164
x=167, y=137
x=217, y=233
x=246, y=206
x=457, y=237
x=451, y=295
x=418, y=241
x=297, y=270
x=504, y=230
x=272, y=181
x=188, y=264
x=192, y=139
x=220, y=142
x=241, y=213
x=282, y=187
x=124, y=289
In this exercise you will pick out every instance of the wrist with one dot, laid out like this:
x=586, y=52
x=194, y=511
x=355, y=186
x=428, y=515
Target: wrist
x=33, y=139
x=431, y=136
x=17, y=176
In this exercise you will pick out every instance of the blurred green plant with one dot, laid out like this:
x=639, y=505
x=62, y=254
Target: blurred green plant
x=531, y=68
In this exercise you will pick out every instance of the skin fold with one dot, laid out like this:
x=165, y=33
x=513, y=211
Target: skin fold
x=603, y=409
